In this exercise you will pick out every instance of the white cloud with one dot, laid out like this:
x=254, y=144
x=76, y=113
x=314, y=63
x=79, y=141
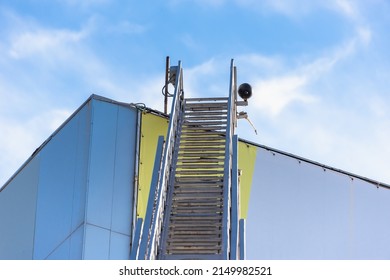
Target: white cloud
x=274, y=95
x=20, y=138
x=42, y=42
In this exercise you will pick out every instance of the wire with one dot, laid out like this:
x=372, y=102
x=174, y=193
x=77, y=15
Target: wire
x=163, y=91
x=139, y=106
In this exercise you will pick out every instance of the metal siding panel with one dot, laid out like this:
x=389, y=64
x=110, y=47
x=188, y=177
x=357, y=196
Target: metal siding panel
x=97, y=243
x=102, y=161
x=298, y=210
x=123, y=192
x=119, y=246
x=17, y=213
x=61, y=186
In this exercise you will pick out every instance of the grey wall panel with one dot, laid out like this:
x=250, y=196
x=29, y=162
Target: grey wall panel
x=123, y=190
x=71, y=248
x=102, y=161
x=298, y=210
x=97, y=243
x=111, y=176
x=119, y=246
x=62, y=185
x=17, y=213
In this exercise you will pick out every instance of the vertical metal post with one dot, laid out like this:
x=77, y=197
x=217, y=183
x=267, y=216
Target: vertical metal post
x=145, y=243
x=166, y=85
x=235, y=213
x=242, y=242
x=136, y=241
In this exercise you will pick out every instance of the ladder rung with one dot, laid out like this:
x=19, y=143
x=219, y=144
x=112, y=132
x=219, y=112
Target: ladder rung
x=204, y=128
x=194, y=99
x=204, y=118
x=202, y=123
x=205, y=104
x=203, y=143
x=200, y=160
x=200, y=137
x=192, y=179
x=205, y=114
x=202, y=149
x=197, y=165
x=204, y=132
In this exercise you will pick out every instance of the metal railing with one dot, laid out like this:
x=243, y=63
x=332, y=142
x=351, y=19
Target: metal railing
x=228, y=169
x=150, y=238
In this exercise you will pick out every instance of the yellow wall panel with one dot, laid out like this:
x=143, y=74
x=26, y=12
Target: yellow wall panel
x=246, y=163
x=152, y=126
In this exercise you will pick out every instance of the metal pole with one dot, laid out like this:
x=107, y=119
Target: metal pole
x=166, y=85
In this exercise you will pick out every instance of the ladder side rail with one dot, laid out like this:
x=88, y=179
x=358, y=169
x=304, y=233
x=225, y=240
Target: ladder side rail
x=228, y=168
x=235, y=213
x=242, y=241
x=170, y=187
x=137, y=239
x=152, y=202
x=177, y=104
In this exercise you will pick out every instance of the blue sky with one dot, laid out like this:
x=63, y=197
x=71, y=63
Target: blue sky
x=319, y=69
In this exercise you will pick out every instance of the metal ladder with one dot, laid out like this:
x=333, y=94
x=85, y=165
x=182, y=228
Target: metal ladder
x=192, y=211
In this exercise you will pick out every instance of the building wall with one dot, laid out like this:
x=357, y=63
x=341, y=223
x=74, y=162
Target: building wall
x=17, y=214
x=299, y=210
x=74, y=198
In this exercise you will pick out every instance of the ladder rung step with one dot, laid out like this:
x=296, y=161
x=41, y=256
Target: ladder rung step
x=192, y=179
x=200, y=160
x=196, y=181
x=199, y=166
x=202, y=243
x=203, y=254
x=199, y=172
x=202, y=144
x=195, y=133
x=200, y=186
x=193, y=99
x=195, y=118
x=205, y=104
x=192, y=215
x=203, y=123
x=205, y=113
x=210, y=204
x=197, y=208
x=200, y=137
x=173, y=228
x=208, y=110
x=186, y=155
x=178, y=196
x=191, y=256
x=198, y=241
x=183, y=225
x=208, y=218
x=202, y=149
x=171, y=245
x=199, y=224
x=203, y=128
x=197, y=189
x=197, y=214
x=211, y=233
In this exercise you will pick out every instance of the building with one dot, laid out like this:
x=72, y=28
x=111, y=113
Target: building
x=80, y=193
